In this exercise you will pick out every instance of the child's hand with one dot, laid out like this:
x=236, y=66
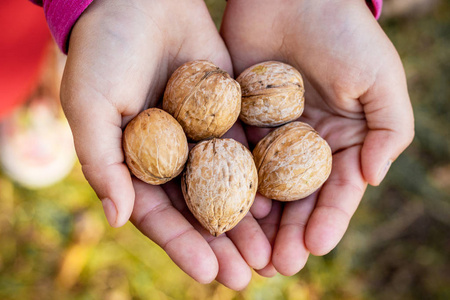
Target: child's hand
x=120, y=57
x=356, y=97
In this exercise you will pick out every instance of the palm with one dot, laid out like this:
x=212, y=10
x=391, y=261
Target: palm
x=120, y=57
x=355, y=88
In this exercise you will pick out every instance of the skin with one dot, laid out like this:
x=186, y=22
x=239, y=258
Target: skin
x=356, y=98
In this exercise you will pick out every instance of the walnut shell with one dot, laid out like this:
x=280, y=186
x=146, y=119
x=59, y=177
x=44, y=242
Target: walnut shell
x=203, y=98
x=293, y=161
x=219, y=183
x=155, y=146
x=272, y=94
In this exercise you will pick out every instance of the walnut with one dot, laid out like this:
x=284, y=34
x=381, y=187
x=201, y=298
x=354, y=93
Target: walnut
x=293, y=161
x=155, y=146
x=272, y=94
x=203, y=98
x=219, y=183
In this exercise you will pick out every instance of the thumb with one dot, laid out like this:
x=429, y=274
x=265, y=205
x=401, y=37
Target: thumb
x=96, y=92
x=97, y=135
x=389, y=119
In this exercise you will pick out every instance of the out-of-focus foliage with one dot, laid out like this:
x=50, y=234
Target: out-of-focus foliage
x=55, y=243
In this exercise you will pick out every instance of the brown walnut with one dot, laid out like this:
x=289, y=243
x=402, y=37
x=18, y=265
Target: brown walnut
x=155, y=146
x=219, y=183
x=272, y=94
x=293, y=161
x=203, y=98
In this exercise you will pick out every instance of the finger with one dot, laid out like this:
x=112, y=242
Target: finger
x=271, y=222
x=390, y=121
x=337, y=201
x=156, y=218
x=290, y=253
x=270, y=225
x=261, y=207
x=268, y=271
x=98, y=142
x=251, y=242
x=234, y=272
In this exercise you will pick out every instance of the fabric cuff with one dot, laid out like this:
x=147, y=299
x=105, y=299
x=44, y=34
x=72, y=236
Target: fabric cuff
x=375, y=6
x=61, y=16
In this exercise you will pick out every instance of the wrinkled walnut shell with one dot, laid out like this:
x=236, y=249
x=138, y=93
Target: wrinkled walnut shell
x=203, y=98
x=155, y=146
x=219, y=183
x=293, y=161
x=272, y=94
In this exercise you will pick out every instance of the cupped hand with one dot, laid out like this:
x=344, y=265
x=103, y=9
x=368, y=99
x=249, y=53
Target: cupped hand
x=356, y=98
x=120, y=57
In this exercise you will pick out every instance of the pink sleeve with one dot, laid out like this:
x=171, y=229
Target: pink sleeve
x=61, y=15
x=375, y=6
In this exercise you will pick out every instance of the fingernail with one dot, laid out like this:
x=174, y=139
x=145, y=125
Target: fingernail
x=110, y=211
x=384, y=171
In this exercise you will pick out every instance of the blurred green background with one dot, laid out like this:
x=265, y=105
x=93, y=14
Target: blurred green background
x=55, y=242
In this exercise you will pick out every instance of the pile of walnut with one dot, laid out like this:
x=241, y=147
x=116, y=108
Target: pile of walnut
x=221, y=176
